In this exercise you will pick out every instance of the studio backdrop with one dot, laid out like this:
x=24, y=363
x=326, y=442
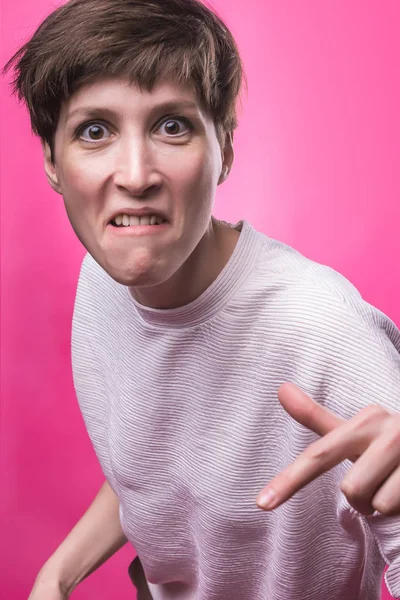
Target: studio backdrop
x=317, y=166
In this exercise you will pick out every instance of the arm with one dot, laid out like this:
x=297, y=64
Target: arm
x=93, y=540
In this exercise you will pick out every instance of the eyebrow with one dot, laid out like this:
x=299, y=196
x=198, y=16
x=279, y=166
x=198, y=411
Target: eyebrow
x=94, y=111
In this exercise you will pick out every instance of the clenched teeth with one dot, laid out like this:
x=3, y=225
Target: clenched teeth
x=133, y=221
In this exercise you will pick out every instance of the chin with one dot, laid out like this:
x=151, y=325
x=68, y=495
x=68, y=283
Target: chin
x=137, y=277
x=136, y=269
x=131, y=280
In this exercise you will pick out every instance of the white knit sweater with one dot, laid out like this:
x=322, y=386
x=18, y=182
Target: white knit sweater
x=181, y=407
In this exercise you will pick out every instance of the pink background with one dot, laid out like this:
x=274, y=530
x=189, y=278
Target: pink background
x=317, y=166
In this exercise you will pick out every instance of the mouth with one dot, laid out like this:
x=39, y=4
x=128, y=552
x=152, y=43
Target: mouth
x=124, y=220
x=124, y=225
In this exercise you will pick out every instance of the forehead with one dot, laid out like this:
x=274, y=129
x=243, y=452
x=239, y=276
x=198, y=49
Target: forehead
x=120, y=95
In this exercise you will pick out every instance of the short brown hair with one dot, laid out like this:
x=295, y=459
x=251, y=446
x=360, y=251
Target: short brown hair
x=140, y=39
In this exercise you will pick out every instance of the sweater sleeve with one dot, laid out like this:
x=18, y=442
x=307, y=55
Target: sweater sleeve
x=358, y=350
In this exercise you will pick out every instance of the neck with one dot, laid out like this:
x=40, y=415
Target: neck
x=196, y=274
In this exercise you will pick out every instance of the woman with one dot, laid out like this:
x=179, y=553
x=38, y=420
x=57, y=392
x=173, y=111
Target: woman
x=186, y=327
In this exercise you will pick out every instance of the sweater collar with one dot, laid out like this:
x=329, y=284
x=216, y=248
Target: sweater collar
x=218, y=294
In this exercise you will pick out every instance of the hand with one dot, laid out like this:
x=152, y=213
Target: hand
x=371, y=439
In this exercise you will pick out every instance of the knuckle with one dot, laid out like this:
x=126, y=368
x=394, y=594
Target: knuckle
x=393, y=439
x=383, y=506
x=319, y=452
x=288, y=478
x=372, y=412
x=352, y=490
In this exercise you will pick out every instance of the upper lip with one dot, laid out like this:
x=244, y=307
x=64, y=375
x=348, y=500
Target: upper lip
x=138, y=212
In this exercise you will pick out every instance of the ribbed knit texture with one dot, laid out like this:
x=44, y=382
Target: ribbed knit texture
x=181, y=407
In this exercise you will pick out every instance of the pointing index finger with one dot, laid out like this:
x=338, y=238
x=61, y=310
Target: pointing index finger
x=306, y=411
x=318, y=458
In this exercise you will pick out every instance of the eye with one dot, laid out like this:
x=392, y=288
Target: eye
x=95, y=132
x=173, y=126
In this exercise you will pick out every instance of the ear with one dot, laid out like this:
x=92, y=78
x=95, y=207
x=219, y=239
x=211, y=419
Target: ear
x=228, y=154
x=50, y=168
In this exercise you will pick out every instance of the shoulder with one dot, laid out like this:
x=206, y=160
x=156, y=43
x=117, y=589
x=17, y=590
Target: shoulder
x=311, y=294
x=328, y=332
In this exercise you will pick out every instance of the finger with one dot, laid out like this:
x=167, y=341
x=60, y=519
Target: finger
x=387, y=500
x=306, y=411
x=350, y=439
x=363, y=481
x=319, y=457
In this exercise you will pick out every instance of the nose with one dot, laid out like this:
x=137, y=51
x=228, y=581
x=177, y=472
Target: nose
x=136, y=167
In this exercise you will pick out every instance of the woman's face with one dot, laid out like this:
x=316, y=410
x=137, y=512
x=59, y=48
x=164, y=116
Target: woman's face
x=122, y=154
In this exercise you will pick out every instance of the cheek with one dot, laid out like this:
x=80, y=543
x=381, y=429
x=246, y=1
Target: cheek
x=80, y=181
x=194, y=174
x=81, y=191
